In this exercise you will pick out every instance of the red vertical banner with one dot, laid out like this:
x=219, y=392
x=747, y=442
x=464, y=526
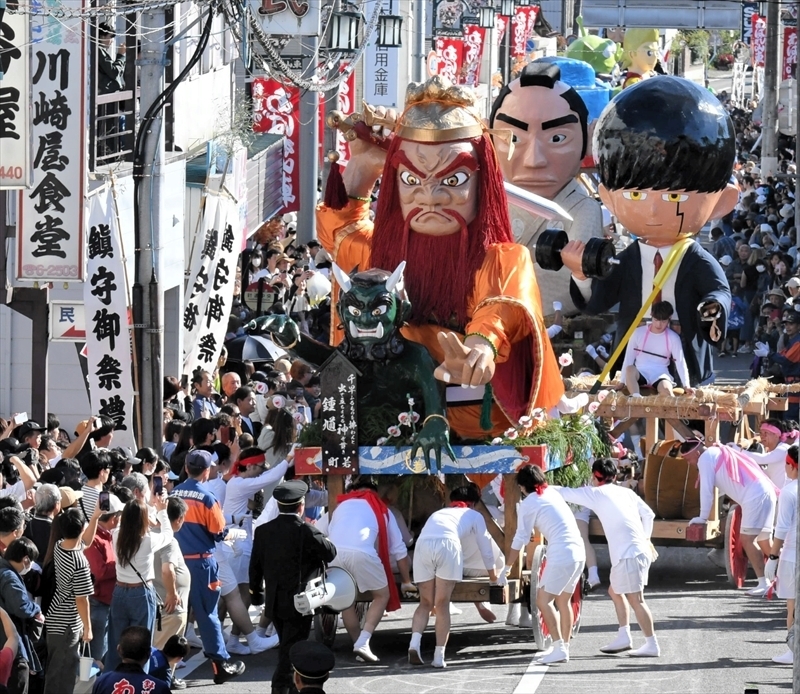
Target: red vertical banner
x=474, y=38
x=451, y=56
x=532, y=12
x=759, y=46
x=519, y=32
x=789, y=52
x=276, y=108
x=501, y=23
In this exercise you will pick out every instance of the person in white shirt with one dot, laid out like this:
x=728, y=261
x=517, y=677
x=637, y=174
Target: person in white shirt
x=438, y=566
x=737, y=476
x=233, y=555
x=773, y=462
x=649, y=352
x=628, y=524
x=367, y=538
x=783, y=552
x=545, y=510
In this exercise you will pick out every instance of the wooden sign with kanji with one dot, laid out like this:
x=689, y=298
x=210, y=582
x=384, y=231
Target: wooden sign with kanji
x=339, y=415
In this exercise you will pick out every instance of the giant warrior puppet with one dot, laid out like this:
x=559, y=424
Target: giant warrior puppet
x=442, y=208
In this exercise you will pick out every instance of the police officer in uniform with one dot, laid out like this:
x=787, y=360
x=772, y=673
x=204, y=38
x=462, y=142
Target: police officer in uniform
x=287, y=553
x=312, y=663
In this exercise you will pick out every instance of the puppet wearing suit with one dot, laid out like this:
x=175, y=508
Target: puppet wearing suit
x=665, y=150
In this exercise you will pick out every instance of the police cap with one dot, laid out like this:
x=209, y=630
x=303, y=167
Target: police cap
x=311, y=660
x=290, y=493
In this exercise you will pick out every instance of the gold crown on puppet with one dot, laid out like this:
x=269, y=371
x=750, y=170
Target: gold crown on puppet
x=438, y=111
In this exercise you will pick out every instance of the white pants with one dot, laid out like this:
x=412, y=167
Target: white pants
x=630, y=575
x=437, y=558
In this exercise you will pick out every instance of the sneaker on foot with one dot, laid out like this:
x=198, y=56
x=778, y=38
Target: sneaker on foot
x=236, y=647
x=618, y=645
x=557, y=655
x=414, y=657
x=366, y=654
x=257, y=644
x=226, y=669
x=542, y=654
x=177, y=684
x=758, y=591
x=784, y=658
x=649, y=650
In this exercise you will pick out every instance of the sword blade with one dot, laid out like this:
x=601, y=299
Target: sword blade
x=535, y=204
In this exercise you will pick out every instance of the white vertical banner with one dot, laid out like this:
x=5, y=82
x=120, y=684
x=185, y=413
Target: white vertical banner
x=50, y=233
x=108, y=325
x=15, y=101
x=382, y=84
x=209, y=294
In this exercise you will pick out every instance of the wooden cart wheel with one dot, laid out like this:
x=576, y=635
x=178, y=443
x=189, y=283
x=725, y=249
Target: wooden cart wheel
x=540, y=633
x=577, y=605
x=325, y=624
x=735, y=557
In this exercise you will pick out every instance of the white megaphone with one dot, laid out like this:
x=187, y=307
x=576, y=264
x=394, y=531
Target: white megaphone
x=336, y=590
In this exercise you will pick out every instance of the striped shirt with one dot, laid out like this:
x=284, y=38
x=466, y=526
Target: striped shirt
x=88, y=502
x=73, y=580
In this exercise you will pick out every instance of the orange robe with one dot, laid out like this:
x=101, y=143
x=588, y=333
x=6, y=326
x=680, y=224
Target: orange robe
x=505, y=307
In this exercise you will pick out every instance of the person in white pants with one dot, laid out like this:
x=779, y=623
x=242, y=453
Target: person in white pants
x=367, y=538
x=628, y=524
x=545, y=510
x=740, y=478
x=783, y=552
x=438, y=566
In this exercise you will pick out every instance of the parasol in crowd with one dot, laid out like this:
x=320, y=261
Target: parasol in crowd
x=256, y=348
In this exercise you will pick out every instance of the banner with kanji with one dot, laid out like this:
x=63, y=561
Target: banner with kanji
x=451, y=56
x=345, y=98
x=50, y=218
x=15, y=103
x=106, y=300
x=474, y=37
x=789, y=52
x=759, y=45
x=520, y=31
x=209, y=294
x=381, y=70
x=500, y=23
x=276, y=110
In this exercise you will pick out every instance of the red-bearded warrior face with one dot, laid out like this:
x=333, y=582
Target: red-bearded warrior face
x=437, y=186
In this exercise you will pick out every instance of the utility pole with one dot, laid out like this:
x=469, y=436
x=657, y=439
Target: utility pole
x=769, y=139
x=419, y=58
x=309, y=151
x=148, y=304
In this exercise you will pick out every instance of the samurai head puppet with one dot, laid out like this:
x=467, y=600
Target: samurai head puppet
x=665, y=150
x=550, y=127
x=442, y=202
x=372, y=309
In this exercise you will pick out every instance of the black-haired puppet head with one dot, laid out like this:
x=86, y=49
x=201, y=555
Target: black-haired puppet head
x=665, y=150
x=550, y=124
x=372, y=308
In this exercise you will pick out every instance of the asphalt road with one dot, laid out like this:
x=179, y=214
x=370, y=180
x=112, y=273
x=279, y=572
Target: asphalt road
x=713, y=639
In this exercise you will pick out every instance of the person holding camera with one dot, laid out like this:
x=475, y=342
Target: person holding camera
x=287, y=553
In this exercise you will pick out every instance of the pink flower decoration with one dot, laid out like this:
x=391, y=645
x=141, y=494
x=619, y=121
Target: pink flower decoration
x=278, y=401
x=511, y=433
x=565, y=359
x=415, y=417
x=393, y=431
x=539, y=414
x=403, y=418
x=602, y=395
x=593, y=407
x=525, y=421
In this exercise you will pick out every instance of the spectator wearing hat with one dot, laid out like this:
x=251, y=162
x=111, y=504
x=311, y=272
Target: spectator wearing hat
x=287, y=553
x=203, y=527
x=103, y=564
x=90, y=434
x=312, y=663
x=788, y=360
x=737, y=476
x=30, y=434
x=793, y=287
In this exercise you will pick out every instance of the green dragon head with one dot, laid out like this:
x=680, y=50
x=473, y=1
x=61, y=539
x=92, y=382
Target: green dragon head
x=372, y=309
x=601, y=54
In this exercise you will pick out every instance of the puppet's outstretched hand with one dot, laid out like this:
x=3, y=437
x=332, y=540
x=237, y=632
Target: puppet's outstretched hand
x=470, y=363
x=710, y=312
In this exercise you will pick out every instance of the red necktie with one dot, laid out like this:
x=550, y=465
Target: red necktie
x=658, y=261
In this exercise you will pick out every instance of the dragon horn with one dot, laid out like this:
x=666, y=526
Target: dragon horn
x=396, y=277
x=341, y=277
